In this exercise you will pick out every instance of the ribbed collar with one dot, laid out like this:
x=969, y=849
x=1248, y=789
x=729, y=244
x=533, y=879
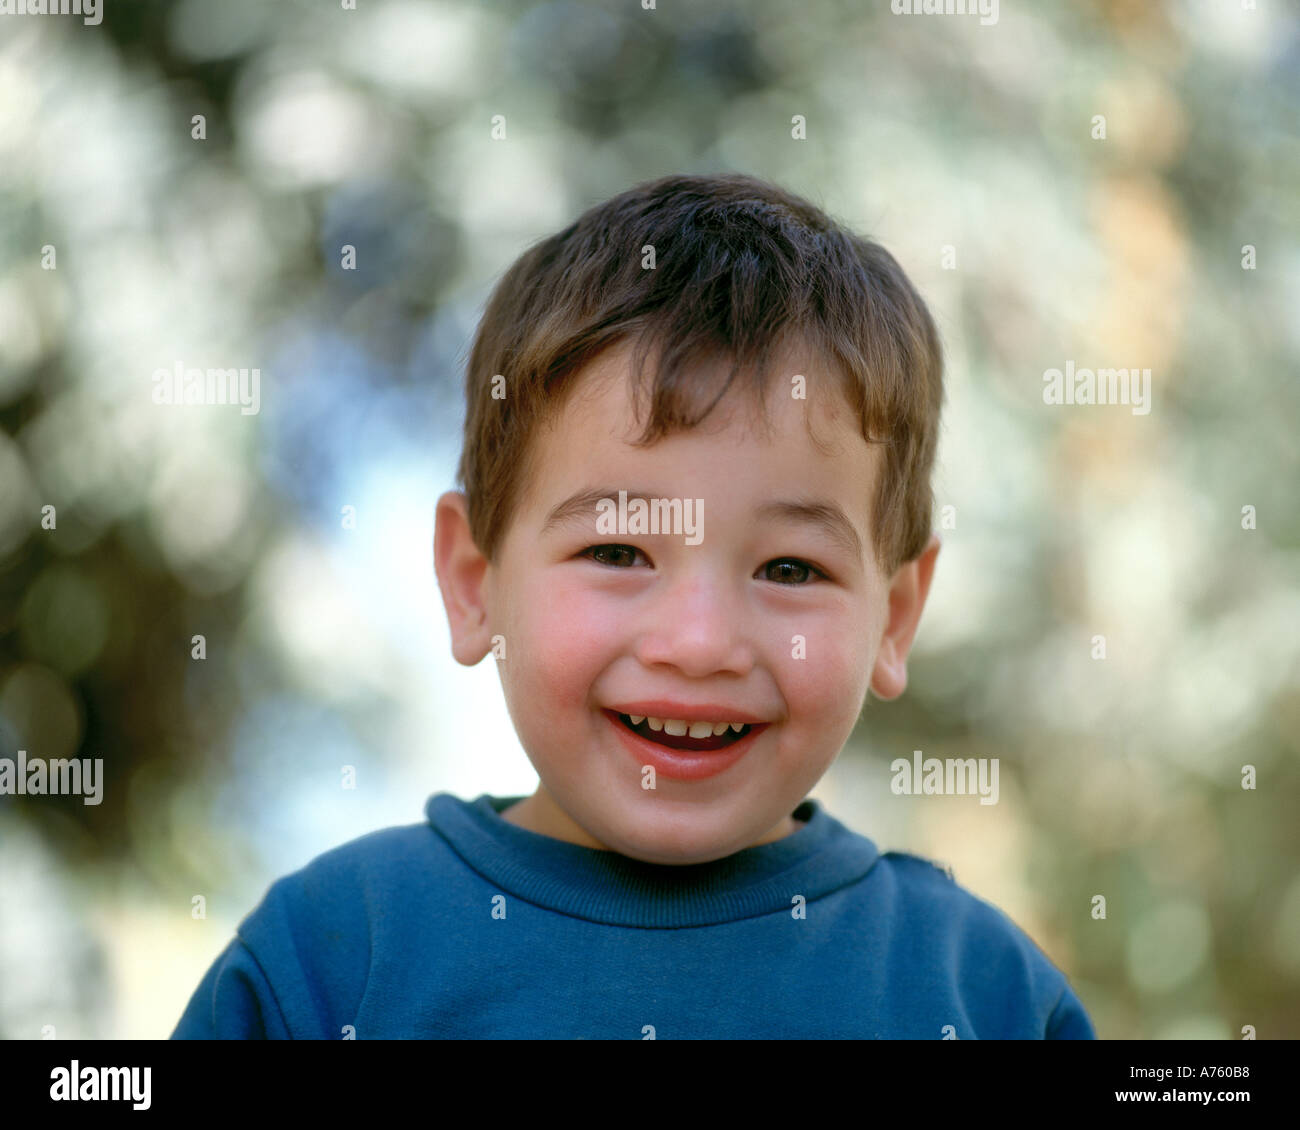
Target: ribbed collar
x=606, y=887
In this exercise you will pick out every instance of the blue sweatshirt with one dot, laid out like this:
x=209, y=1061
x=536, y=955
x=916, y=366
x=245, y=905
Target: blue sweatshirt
x=468, y=927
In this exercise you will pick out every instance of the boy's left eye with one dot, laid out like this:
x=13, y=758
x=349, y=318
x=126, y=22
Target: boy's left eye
x=781, y=570
x=792, y=571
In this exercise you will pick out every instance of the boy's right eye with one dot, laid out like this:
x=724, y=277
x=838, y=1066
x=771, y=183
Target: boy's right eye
x=616, y=556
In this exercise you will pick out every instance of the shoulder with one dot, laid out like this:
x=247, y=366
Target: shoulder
x=986, y=956
x=318, y=932
x=383, y=856
x=301, y=958
x=367, y=869
x=922, y=886
x=349, y=899
x=926, y=896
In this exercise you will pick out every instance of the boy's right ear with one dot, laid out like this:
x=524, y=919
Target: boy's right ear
x=461, y=569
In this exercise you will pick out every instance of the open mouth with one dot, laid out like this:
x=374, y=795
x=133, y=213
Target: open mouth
x=721, y=734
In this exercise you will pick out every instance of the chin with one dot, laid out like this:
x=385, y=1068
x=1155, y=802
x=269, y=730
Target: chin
x=655, y=843
x=676, y=857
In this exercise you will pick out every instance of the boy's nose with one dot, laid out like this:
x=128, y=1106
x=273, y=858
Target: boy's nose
x=697, y=627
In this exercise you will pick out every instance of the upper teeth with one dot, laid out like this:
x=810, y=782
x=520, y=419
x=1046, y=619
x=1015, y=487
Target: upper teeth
x=677, y=726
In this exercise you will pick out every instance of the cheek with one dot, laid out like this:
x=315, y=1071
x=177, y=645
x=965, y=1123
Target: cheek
x=559, y=639
x=829, y=683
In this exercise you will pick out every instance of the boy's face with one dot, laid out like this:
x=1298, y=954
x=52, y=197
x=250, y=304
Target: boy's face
x=774, y=617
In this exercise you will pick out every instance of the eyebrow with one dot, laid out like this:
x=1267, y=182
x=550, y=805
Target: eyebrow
x=583, y=505
x=825, y=516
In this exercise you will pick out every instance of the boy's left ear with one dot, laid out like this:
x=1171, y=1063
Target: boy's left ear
x=907, y=592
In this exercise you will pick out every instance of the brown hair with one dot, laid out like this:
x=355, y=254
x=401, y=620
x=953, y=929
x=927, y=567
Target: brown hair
x=739, y=264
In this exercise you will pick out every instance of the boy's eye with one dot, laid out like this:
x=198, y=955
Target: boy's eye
x=790, y=571
x=615, y=555
x=782, y=571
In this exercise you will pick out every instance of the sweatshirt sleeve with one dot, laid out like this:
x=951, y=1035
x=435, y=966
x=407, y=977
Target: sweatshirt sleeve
x=1069, y=1021
x=234, y=1001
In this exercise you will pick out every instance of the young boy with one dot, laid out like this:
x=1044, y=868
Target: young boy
x=695, y=531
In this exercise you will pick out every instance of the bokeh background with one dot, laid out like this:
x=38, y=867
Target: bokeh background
x=326, y=644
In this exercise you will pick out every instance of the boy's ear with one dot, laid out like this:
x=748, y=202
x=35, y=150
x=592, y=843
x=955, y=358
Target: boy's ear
x=461, y=569
x=907, y=592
